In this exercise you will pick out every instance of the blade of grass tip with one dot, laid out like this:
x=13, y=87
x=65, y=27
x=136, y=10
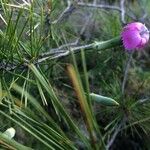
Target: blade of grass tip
x=17, y=43
x=41, y=21
x=9, y=26
x=31, y=21
x=83, y=102
x=57, y=105
x=13, y=35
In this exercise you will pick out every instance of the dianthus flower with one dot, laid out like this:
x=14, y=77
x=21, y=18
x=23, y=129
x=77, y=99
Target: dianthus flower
x=134, y=36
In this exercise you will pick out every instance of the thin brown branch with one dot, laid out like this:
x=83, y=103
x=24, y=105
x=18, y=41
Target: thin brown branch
x=111, y=141
x=64, y=52
x=122, y=7
x=126, y=72
x=66, y=13
x=101, y=6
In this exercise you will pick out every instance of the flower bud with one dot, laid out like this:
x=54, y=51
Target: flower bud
x=10, y=133
x=106, y=101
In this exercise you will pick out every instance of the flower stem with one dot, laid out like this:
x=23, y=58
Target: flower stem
x=126, y=72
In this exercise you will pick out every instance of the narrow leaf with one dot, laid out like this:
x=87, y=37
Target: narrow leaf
x=107, y=101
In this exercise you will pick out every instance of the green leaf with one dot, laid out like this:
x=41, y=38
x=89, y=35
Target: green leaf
x=107, y=101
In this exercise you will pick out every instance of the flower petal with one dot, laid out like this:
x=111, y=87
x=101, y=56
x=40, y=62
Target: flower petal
x=131, y=39
x=135, y=25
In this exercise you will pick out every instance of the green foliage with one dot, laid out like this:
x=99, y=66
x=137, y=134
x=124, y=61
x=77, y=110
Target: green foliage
x=37, y=98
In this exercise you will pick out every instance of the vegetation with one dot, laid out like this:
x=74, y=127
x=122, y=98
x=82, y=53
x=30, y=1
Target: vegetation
x=53, y=56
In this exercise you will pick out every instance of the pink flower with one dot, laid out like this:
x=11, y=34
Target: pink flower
x=134, y=35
